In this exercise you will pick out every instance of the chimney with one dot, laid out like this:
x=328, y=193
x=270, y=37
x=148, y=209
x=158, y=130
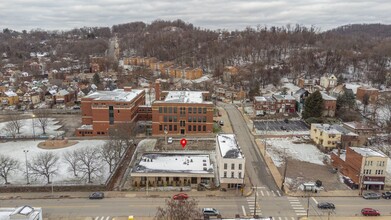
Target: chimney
x=157, y=90
x=127, y=88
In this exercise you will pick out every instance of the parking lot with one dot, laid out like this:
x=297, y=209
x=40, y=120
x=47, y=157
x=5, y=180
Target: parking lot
x=280, y=125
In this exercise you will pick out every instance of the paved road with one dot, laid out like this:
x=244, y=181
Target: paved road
x=116, y=207
x=255, y=164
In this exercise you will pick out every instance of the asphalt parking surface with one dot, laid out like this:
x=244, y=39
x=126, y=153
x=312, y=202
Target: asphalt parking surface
x=280, y=125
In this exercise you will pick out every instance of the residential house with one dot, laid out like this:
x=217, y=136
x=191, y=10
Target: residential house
x=333, y=136
x=328, y=81
x=63, y=97
x=228, y=72
x=264, y=105
x=31, y=98
x=329, y=105
x=371, y=93
x=306, y=82
x=9, y=98
x=363, y=130
x=230, y=162
x=285, y=103
x=365, y=167
x=300, y=96
x=50, y=96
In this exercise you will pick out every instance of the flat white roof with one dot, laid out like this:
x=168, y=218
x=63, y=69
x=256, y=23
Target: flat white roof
x=174, y=163
x=185, y=97
x=118, y=95
x=228, y=145
x=260, y=98
x=368, y=152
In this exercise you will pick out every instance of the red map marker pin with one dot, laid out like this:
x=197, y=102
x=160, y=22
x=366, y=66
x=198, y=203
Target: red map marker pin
x=183, y=142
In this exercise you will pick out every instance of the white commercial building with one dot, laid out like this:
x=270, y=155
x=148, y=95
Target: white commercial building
x=230, y=161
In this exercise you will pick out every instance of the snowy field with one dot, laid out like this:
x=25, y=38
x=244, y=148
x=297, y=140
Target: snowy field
x=303, y=152
x=16, y=151
x=27, y=128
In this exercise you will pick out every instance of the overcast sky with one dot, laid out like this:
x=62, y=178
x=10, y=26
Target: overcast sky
x=212, y=14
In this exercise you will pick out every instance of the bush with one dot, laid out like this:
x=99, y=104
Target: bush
x=314, y=120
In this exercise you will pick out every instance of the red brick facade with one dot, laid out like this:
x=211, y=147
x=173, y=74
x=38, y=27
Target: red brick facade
x=102, y=113
x=371, y=92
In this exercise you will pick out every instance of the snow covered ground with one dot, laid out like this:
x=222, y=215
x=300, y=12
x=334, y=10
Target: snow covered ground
x=303, y=152
x=27, y=128
x=15, y=149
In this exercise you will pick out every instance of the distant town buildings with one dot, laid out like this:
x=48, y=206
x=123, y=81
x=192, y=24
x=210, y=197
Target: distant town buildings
x=274, y=104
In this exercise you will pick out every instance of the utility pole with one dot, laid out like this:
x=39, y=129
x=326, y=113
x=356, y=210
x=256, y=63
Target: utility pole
x=255, y=204
x=27, y=167
x=285, y=169
x=308, y=203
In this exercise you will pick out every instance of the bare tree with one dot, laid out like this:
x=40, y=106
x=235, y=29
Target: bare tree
x=72, y=159
x=124, y=132
x=16, y=121
x=109, y=155
x=44, y=164
x=10, y=129
x=89, y=162
x=179, y=210
x=7, y=165
x=43, y=119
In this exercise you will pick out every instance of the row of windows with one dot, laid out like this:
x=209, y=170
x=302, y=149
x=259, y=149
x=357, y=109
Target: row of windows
x=378, y=163
x=169, y=118
x=233, y=175
x=190, y=110
x=377, y=172
x=232, y=166
x=175, y=128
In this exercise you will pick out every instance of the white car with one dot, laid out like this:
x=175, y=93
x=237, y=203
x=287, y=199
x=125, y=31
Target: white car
x=169, y=140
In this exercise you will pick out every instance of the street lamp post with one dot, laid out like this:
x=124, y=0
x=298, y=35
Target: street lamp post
x=27, y=167
x=32, y=121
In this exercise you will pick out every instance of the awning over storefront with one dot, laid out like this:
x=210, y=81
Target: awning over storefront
x=373, y=183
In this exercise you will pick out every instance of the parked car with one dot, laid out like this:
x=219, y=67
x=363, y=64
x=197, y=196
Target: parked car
x=370, y=212
x=221, y=123
x=210, y=212
x=326, y=205
x=169, y=140
x=371, y=195
x=386, y=195
x=180, y=196
x=97, y=195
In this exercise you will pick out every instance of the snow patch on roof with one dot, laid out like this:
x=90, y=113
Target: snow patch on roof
x=228, y=145
x=174, y=163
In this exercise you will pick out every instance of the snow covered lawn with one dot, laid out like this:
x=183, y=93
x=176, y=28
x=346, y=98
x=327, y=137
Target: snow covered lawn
x=303, y=152
x=15, y=149
x=27, y=128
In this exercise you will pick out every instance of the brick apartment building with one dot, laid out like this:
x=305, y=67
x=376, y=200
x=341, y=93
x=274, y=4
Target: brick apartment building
x=372, y=93
x=103, y=109
x=182, y=112
x=329, y=105
x=275, y=104
x=363, y=166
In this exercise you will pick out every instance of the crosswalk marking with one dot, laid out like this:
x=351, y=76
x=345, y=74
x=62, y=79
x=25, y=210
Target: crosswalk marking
x=262, y=193
x=244, y=210
x=102, y=218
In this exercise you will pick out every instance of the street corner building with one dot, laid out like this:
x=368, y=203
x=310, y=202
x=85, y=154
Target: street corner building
x=103, y=109
x=230, y=162
x=173, y=170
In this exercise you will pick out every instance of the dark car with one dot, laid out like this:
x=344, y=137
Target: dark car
x=180, y=196
x=97, y=195
x=326, y=205
x=371, y=195
x=370, y=212
x=386, y=195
